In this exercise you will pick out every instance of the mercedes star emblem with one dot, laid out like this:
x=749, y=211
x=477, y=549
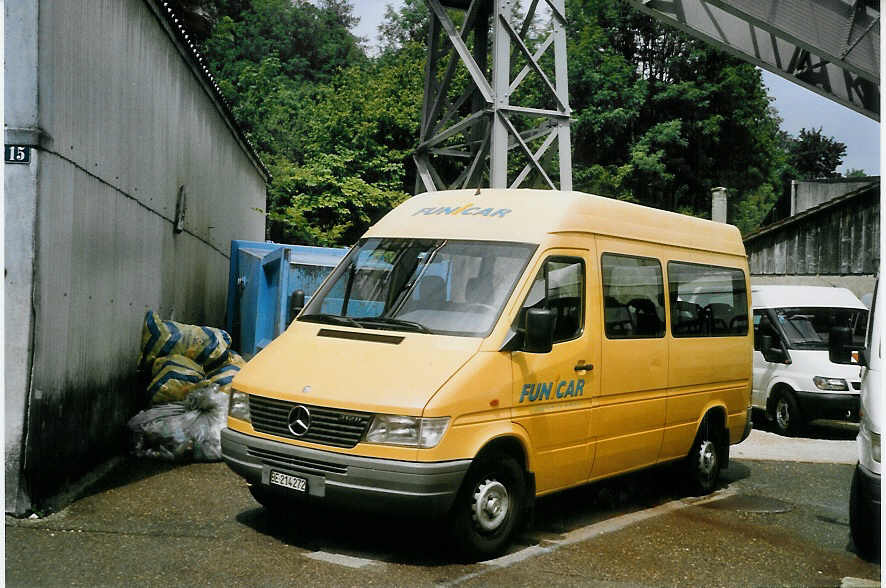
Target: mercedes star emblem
x=299, y=420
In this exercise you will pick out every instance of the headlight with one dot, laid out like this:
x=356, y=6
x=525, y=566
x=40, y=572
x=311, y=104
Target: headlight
x=238, y=406
x=875, y=447
x=409, y=431
x=823, y=383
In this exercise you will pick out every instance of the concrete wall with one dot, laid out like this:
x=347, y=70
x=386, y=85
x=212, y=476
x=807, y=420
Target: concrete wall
x=127, y=124
x=20, y=196
x=809, y=194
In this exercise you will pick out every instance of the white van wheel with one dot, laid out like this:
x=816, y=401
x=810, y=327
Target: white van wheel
x=786, y=413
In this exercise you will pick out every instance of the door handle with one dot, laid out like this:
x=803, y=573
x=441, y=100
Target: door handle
x=581, y=366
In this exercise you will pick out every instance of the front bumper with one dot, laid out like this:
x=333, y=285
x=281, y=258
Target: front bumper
x=363, y=483
x=821, y=405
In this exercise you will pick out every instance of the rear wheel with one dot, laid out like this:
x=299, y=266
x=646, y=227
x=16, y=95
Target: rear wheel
x=786, y=413
x=703, y=462
x=489, y=506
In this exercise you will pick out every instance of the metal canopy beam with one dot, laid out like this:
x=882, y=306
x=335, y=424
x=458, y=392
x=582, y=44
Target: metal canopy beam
x=468, y=132
x=831, y=47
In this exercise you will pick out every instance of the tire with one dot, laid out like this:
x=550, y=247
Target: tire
x=703, y=463
x=865, y=534
x=786, y=413
x=489, y=507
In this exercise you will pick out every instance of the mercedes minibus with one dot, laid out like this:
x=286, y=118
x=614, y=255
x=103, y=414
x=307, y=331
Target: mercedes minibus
x=477, y=349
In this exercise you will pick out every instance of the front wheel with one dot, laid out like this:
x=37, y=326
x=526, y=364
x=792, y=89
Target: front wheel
x=489, y=507
x=786, y=413
x=703, y=461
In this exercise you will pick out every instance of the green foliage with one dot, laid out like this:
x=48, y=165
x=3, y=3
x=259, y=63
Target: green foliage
x=855, y=173
x=335, y=128
x=815, y=156
x=324, y=203
x=407, y=26
x=664, y=118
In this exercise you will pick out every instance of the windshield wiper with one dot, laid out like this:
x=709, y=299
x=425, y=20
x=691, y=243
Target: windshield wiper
x=330, y=318
x=393, y=322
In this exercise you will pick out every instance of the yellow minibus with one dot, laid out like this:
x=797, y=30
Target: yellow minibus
x=477, y=349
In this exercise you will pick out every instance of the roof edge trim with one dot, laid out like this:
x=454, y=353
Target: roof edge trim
x=172, y=24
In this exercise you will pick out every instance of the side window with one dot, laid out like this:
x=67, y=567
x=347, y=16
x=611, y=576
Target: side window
x=707, y=300
x=633, y=297
x=559, y=286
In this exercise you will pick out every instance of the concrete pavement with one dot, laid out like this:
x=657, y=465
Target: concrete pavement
x=148, y=523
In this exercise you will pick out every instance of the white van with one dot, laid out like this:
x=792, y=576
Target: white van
x=794, y=380
x=864, y=495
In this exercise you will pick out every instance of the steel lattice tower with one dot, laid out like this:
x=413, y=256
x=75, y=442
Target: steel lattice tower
x=494, y=124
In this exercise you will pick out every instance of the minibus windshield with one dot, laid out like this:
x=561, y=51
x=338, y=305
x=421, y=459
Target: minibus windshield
x=808, y=328
x=425, y=285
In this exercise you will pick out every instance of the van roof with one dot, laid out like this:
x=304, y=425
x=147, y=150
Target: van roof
x=803, y=296
x=529, y=216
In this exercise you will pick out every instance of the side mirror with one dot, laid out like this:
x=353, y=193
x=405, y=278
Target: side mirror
x=771, y=352
x=840, y=348
x=296, y=303
x=539, y=336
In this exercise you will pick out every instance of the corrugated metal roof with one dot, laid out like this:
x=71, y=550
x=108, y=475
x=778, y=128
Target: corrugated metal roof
x=174, y=25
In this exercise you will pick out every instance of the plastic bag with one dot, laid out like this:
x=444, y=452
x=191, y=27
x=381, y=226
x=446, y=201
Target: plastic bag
x=189, y=430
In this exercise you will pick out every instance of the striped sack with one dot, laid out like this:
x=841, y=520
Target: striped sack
x=204, y=345
x=174, y=376
x=224, y=374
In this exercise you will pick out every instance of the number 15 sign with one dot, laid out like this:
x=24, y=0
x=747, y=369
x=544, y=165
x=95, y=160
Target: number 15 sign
x=17, y=154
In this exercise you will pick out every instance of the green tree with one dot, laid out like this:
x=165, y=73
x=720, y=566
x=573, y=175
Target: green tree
x=355, y=153
x=815, y=156
x=661, y=118
x=404, y=27
x=334, y=127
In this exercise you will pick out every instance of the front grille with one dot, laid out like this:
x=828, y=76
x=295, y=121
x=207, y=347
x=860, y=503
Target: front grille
x=302, y=464
x=329, y=426
x=856, y=385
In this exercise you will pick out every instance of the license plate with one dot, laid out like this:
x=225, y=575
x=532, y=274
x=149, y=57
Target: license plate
x=287, y=481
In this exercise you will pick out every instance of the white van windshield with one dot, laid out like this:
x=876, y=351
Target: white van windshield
x=808, y=328
x=432, y=286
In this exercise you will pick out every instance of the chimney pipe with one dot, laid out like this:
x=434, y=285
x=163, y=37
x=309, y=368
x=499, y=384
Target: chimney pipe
x=718, y=204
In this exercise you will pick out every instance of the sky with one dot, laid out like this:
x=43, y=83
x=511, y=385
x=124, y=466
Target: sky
x=798, y=107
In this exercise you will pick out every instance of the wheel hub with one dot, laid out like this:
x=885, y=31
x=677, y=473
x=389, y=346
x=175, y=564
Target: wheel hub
x=707, y=459
x=490, y=505
x=782, y=413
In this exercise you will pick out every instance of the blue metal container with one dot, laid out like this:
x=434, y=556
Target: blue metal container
x=263, y=278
